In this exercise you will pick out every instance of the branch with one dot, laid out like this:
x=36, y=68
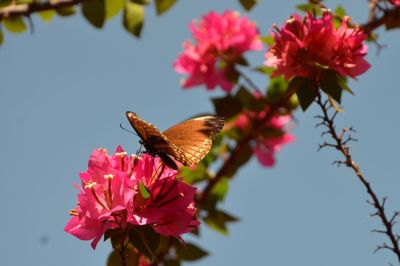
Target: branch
x=376, y=22
x=15, y=10
x=235, y=156
x=341, y=146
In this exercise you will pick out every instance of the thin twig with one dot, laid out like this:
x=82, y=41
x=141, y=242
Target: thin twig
x=341, y=145
x=248, y=80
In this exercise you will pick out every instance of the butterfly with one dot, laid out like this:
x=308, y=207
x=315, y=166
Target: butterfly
x=187, y=142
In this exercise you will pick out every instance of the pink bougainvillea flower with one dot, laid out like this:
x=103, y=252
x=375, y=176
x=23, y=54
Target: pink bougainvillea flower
x=120, y=191
x=103, y=198
x=266, y=147
x=221, y=40
x=395, y=2
x=273, y=133
x=169, y=206
x=304, y=46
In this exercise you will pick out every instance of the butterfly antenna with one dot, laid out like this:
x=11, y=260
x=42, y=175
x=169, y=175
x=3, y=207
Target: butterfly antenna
x=122, y=127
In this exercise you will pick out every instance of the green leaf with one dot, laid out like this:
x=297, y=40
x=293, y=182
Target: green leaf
x=66, y=11
x=235, y=133
x=95, y=12
x=248, y=4
x=330, y=84
x=269, y=40
x=245, y=97
x=249, y=101
x=220, y=189
x=47, y=15
x=305, y=89
x=344, y=86
x=146, y=240
x=334, y=105
x=277, y=89
x=14, y=24
x=112, y=233
x=163, y=5
x=293, y=102
x=192, y=176
x=131, y=258
x=144, y=192
x=310, y=8
x=134, y=18
x=340, y=11
x=240, y=159
x=218, y=220
x=265, y=70
x=190, y=252
x=227, y=106
x=113, y=7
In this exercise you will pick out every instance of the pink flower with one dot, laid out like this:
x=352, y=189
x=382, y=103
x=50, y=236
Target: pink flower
x=266, y=147
x=221, y=41
x=103, y=198
x=272, y=135
x=395, y=2
x=120, y=191
x=304, y=46
x=169, y=207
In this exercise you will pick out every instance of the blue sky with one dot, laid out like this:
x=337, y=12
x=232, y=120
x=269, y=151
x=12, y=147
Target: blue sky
x=65, y=90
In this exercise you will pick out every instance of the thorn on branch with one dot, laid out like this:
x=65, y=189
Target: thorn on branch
x=339, y=163
x=394, y=216
x=384, y=202
x=379, y=231
x=349, y=139
x=326, y=144
x=383, y=246
x=334, y=115
x=320, y=124
x=375, y=213
x=324, y=133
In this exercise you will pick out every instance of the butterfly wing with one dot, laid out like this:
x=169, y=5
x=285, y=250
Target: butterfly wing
x=145, y=130
x=153, y=140
x=191, y=140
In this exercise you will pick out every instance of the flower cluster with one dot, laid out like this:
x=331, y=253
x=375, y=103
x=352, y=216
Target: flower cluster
x=271, y=133
x=123, y=192
x=304, y=46
x=221, y=41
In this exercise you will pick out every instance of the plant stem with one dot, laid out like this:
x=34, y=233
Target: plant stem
x=340, y=143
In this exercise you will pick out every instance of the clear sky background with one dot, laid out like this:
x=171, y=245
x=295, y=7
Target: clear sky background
x=66, y=87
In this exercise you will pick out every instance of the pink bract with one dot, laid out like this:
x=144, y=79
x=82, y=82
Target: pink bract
x=266, y=147
x=221, y=40
x=170, y=207
x=110, y=197
x=304, y=46
x=395, y=2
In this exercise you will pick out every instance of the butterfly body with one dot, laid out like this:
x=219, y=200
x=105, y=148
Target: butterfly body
x=187, y=142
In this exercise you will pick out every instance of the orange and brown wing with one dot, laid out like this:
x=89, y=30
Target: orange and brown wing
x=191, y=140
x=153, y=139
x=144, y=129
